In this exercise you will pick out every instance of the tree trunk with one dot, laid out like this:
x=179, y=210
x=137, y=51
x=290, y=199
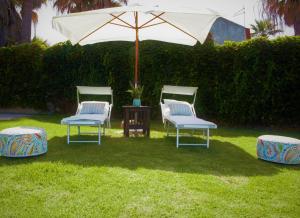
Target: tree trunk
x=106, y=4
x=2, y=36
x=10, y=23
x=4, y=20
x=297, y=27
x=26, y=13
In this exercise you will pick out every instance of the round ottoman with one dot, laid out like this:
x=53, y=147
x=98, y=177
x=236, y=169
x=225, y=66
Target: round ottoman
x=278, y=149
x=23, y=142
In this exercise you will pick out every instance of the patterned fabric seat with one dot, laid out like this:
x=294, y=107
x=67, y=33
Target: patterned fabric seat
x=23, y=142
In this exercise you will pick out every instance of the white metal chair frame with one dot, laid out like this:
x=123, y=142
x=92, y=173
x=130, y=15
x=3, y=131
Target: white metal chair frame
x=182, y=90
x=78, y=124
x=89, y=90
x=178, y=90
x=190, y=127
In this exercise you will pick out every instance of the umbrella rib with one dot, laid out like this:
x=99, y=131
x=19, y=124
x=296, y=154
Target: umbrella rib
x=155, y=17
x=152, y=25
x=123, y=21
x=100, y=27
x=121, y=25
x=173, y=25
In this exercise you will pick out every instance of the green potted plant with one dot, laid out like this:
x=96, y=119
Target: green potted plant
x=136, y=93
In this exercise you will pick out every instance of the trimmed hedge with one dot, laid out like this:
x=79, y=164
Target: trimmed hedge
x=20, y=76
x=253, y=82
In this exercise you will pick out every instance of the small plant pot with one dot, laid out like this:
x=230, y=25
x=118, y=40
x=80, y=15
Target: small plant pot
x=136, y=102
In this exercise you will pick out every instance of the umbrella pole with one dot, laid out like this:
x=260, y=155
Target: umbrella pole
x=136, y=50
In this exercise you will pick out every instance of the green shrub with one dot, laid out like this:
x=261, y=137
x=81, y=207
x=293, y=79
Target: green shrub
x=21, y=76
x=252, y=82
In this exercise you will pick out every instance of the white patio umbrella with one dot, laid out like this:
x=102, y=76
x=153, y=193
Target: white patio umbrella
x=136, y=23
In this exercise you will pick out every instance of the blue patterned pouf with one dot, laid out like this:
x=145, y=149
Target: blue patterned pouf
x=278, y=149
x=23, y=142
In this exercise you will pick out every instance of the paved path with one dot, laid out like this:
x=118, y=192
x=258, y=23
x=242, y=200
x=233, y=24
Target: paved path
x=8, y=116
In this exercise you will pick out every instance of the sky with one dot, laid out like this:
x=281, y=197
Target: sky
x=226, y=8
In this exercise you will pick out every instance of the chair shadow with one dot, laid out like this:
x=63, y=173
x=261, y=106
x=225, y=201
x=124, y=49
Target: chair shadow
x=221, y=159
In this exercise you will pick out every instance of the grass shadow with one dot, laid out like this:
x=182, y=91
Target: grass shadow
x=226, y=155
x=221, y=159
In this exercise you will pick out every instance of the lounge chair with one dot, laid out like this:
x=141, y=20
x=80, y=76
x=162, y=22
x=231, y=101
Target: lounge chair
x=90, y=113
x=182, y=114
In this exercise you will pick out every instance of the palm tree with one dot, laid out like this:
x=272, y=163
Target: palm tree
x=264, y=28
x=10, y=23
x=284, y=10
x=27, y=11
x=13, y=28
x=71, y=6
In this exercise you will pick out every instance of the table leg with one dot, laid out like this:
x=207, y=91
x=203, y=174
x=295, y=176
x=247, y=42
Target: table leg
x=126, y=123
x=148, y=132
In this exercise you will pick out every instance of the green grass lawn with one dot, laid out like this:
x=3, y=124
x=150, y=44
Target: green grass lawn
x=147, y=177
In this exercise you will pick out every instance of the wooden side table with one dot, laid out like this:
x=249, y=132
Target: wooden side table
x=136, y=118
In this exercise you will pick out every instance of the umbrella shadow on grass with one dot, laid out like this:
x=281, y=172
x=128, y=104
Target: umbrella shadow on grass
x=221, y=159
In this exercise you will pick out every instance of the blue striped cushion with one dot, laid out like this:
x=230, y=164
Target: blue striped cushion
x=180, y=110
x=92, y=108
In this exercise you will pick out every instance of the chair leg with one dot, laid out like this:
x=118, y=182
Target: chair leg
x=99, y=135
x=177, y=137
x=167, y=124
x=68, y=134
x=78, y=129
x=207, y=138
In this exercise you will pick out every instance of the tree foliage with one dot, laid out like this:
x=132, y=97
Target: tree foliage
x=71, y=6
x=264, y=28
x=284, y=10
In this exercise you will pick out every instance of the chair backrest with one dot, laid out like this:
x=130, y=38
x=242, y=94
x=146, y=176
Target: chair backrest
x=179, y=90
x=93, y=107
x=92, y=90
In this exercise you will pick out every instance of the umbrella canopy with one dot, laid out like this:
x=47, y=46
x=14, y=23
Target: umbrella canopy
x=136, y=23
